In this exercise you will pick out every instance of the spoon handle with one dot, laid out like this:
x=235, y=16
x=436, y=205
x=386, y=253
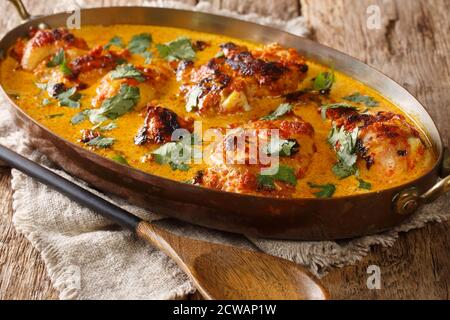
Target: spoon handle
x=70, y=189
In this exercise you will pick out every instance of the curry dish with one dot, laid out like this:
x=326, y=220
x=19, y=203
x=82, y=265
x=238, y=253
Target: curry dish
x=126, y=91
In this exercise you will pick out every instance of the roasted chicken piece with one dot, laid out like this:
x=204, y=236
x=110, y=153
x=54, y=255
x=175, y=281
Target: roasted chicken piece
x=45, y=43
x=84, y=69
x=91, y=66
x=227, y=82
x=261, y=157
x=146, y=79
x=159, y=124
x=387, y=145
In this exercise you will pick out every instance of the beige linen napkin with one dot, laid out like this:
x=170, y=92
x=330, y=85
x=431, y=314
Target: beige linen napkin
x=87, y=257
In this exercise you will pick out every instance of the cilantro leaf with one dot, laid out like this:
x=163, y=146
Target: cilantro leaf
x=179, y=49
x=127, y=71
x=324, y=81
x=57, y=59
x=101, y=142
x=148, y=57
x=69, y=98
x=65, y=69
x=284, y=174
x=176, y=154
x=281, y=147
x=42, y=86
x=79, y=117
x=326, y=107
x=364, y=184
x=116, y=106
x=46, y=102
x=280, y=111
x=140, y=43
x=110, y=126
x=56, y=115
x=179, y=166
x=115, y=41
x=342, y=170
x=325, y=190
x=366, y=100
x=120, y=159
x=344, y=144
x=193, y=99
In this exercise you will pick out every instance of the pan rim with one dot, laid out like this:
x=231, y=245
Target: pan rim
x=140, y=175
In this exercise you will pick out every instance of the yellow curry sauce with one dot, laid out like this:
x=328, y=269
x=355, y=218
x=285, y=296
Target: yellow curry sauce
x=20, y=84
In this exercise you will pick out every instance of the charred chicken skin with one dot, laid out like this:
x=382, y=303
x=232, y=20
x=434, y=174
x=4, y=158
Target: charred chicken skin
x=229, y=81
x=45, y=43
x=159, y=125
x=387, y=145
x=243, y=167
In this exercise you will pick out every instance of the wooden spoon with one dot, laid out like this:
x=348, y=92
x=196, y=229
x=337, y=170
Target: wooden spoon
x=218, y=271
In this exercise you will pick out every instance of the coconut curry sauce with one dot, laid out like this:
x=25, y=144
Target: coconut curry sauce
x=122, y=90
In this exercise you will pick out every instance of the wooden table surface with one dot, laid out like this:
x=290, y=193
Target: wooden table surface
x=411, y=46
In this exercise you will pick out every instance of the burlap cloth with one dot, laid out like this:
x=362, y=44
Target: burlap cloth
x=87, y=257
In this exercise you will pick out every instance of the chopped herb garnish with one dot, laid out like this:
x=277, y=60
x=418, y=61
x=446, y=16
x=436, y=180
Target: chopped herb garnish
x=344, y=143
x=57, y=59
x=326, y=107
x=193, y=99
x=127, y=71
x=55, y=115
x=42, y=86
x=69, y=98
x=110, y=126
x=79, y=117
x=117, y=105
x=65, y=69
x=366, y=100
x=219, y=54
x=364, y=184
x=280, y=111
x=175, y=154
x=284, y=174
x=179, y=166
x=120, y=159
x=115, y=41
x=179, y=49
x=324, y=81
x=140, y=43
x=343, y=170
x=46, y=102
x=281, y=147
x=101, y=142
x=148, y=57
x=325, y=190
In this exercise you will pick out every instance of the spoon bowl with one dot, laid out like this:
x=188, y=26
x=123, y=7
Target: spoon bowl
x=223, y=272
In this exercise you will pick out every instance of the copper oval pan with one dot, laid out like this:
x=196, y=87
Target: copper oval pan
x=306, y=219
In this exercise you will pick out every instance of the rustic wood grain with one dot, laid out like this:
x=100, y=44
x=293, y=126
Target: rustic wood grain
x=222, y=272
x=22, y=272
x=411, y=47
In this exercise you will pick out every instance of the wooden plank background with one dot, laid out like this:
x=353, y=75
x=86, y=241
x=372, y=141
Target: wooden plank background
x=411, y=46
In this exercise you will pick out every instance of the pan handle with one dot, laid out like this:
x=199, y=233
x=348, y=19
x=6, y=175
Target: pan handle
x=21, y=9
x=408, y=201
